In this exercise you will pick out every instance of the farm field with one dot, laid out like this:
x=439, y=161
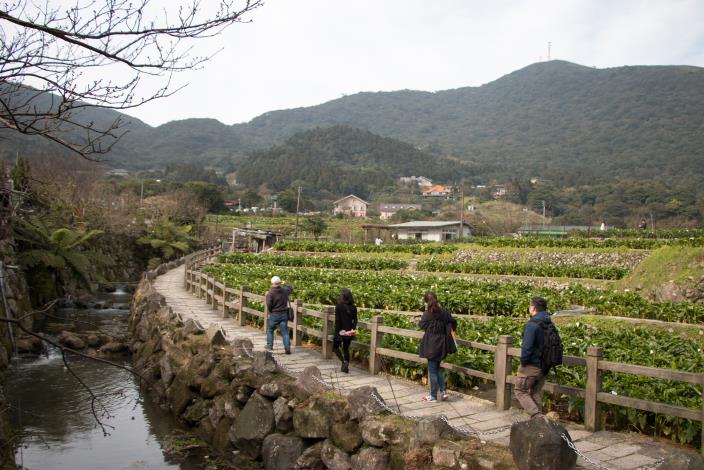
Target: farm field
x=394, y=278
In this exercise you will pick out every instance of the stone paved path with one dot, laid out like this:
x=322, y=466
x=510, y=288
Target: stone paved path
x=618, y=451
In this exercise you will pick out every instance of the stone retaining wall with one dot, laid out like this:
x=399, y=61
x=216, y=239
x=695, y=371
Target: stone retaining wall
x=257, y=417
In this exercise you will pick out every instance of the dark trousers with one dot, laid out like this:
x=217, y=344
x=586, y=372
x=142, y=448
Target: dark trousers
x=343, y=341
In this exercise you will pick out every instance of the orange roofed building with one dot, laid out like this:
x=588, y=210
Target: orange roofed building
x=437, y=190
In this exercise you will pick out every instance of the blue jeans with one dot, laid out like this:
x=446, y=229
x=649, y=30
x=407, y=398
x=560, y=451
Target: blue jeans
x=280, y=319
x=437, y=380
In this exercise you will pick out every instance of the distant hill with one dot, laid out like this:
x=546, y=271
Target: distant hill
x=565, y=122
x=341, y=160
x=12, y=142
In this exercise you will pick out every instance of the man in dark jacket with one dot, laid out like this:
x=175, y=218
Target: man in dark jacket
x=530, y=378
x=277, y=304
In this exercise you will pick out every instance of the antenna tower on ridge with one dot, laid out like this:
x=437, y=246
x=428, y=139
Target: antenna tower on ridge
x=549, y=46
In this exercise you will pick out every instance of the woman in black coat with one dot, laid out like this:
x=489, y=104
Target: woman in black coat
x=345, y=328
x=437, y=325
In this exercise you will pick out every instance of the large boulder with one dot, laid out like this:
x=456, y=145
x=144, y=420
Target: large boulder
x=370, y=458
x=113, y=347
x=71, y=340
x=314, y=418
x=179, y=395
x=283, y=415
x=279, y=451
x=365, y=401
x=242, y=347
x=334, y=458
x=309, y=382
x=392, y=430
x=216, y=335
x=537, y=444
x=430, y=430
x=254, y=423
x=263, y=362
x=310, y=458
x=213, y=386
x=271, y=390
x=346, y=435
x=197, y=411
x=449, y=454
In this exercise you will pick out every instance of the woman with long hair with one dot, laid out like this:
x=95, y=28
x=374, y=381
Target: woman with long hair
x=436, y=344
x=345, y=328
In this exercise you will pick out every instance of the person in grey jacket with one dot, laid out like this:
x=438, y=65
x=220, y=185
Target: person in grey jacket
x=277, y=303
x=530, y=378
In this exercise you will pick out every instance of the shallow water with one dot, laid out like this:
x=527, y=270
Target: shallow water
x=52, y=411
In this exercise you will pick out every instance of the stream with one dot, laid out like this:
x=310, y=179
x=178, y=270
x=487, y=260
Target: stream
x=51, y=411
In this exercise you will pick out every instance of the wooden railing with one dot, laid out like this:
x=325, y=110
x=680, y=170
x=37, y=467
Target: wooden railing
x=236, y=303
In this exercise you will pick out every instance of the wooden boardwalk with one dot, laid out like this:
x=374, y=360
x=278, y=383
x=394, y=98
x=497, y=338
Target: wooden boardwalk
x=613, y=450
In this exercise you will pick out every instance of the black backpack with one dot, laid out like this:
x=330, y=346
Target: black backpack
x=552, y=347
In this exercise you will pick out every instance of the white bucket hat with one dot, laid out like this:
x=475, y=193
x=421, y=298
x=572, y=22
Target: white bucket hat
x=275, y=281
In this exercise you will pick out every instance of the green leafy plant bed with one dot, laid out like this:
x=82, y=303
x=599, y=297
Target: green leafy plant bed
x=396, y=291
x=338, y=247
x=336, y=262
x=624, y=343
x=632, y=243
x=540, y=270
x=670, y=233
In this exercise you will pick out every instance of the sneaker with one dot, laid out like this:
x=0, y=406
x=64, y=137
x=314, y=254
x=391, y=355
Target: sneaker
x=444, y=395
x=269, y=348
x=288, y=351
x=345, y=367
x=429, y=398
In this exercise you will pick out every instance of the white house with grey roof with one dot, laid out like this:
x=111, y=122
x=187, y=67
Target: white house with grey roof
x=435, y=230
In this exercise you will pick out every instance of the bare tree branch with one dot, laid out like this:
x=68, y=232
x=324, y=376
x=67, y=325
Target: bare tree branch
x=48, y=48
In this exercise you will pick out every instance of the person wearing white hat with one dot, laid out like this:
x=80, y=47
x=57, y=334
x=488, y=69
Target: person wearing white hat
x=277, y=303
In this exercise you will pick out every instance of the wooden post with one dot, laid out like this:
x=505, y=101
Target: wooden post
x=374, y=358
x=224, y=302
x=297, y=316
x=214, y=298
x=327, y=330
x=592, y=413
x=243, y=303
x=209, y=290
x=502, y=369
x=200, y=286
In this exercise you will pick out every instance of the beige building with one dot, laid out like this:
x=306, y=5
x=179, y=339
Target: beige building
x=351, y=205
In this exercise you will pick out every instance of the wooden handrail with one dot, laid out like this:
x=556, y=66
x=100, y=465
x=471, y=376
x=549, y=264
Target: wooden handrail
x=202, y=285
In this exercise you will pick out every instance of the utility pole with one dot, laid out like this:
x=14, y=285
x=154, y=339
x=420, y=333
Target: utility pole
x=549, y=47
x=543, y=213
x=298, y=205
x=461, y=232
x=141, y=193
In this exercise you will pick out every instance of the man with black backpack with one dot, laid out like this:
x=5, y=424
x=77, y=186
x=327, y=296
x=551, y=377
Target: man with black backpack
x=541, y=350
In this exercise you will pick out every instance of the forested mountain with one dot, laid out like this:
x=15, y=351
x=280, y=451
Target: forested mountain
x=30, y=101
x=568, y=123
x=341, y=160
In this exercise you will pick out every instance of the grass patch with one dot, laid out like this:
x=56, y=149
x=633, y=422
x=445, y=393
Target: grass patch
x=665, y=264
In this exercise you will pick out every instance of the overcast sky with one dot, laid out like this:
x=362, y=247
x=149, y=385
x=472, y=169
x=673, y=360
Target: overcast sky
x=305, y=52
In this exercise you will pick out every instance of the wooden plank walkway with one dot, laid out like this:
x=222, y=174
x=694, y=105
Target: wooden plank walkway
x=618, y=451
